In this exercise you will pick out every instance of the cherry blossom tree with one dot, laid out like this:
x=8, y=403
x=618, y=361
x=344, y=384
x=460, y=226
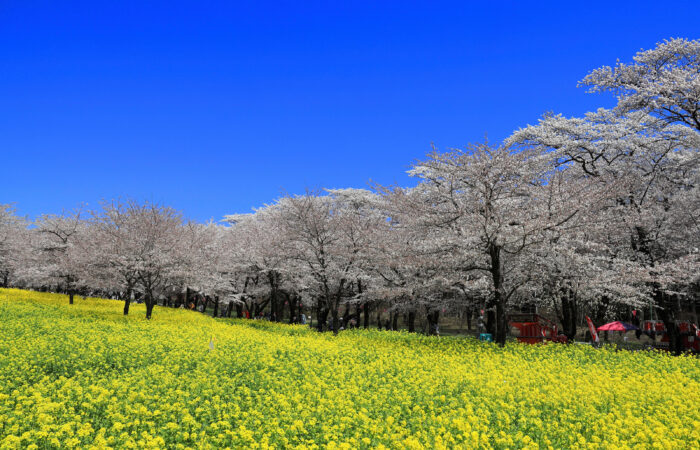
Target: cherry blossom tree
x=262, y=263
x=14, y=244
x=144, y=247
x=649, y=171
x=324, y=237
x=61, y=245
x=489, y=206
x=405, y=275
x=215, y=266
x=115, y=261
x=664, y=81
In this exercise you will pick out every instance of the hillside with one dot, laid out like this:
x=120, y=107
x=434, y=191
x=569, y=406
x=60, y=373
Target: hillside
x=84, y=374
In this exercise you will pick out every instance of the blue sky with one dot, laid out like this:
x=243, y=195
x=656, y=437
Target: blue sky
x=218, y=107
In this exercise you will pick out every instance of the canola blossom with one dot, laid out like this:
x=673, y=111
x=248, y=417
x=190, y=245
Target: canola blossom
x=84, y=375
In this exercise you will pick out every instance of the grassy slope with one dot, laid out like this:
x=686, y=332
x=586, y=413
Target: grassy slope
x=83, y=374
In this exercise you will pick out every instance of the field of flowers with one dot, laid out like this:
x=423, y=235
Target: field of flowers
x=84, y=375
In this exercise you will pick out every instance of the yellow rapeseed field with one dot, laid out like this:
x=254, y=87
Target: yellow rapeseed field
x=86, y=376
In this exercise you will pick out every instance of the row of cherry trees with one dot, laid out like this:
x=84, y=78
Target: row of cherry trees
x=600, y=212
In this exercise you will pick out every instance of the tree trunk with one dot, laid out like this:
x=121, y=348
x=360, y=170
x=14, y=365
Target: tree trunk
x=365, y=306
x=322, y=317
x=395, y=322
x=149, y=309
x=70, y=297
x=275, y=309
x=239, y=310
x=346, y=316
x=433, y=320
x=379, y=319
x=411, y=321
x=568, y=311
x=498, y=297
x=127, y=299
x=292, y=309
x=216, y=306
x=469, y=314
x=336, y=320
x=500, y=324
x=150, y=303
x=667, y=313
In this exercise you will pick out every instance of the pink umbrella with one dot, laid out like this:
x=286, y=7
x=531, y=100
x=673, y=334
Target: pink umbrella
x=617, y=326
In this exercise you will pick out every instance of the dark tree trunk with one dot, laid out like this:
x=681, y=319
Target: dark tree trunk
x=239, y=310
x=365, y=306
x=127, y=300
x=275, y=307
x=501, y=323
x=667, y=313
x=279, y=312
x=292, y=309
x=336, y=320
x=216, y=306
x=322, y=317
x=149, y=310
x=568, y=311
x=411, y=321
x=379, y=318
x=469, y=314
x=395, y=322
x=491, y=320
x=149, y=307
x=498, y=298
x=433, y=320
x=258, y=309
x=346, y=316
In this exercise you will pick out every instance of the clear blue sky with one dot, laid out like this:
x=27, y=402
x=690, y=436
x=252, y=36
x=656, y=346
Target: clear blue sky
x=217, y=107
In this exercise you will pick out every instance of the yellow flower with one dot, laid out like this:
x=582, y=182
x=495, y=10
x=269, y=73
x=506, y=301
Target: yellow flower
x=149, y=384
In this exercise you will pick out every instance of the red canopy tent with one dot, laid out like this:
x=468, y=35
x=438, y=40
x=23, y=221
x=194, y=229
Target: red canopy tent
x=617, y=326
